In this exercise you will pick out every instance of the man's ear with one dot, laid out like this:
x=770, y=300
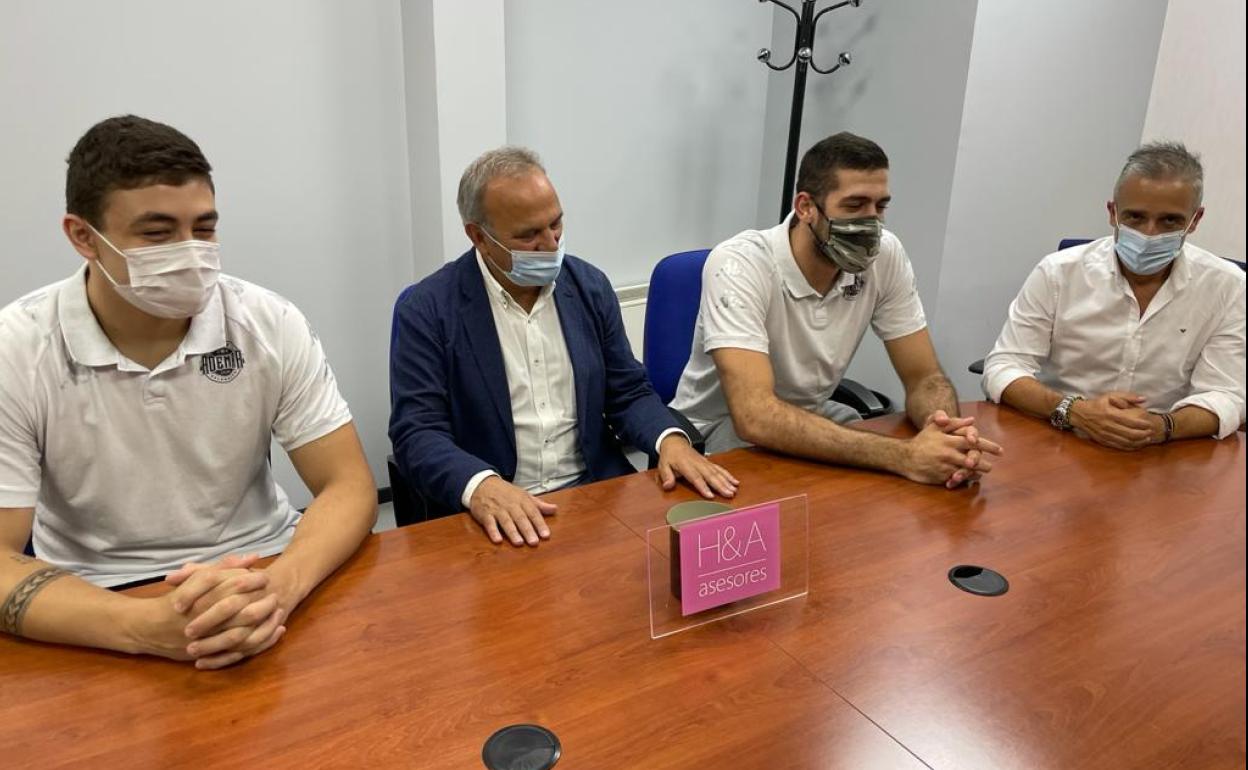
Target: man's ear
x=475, y=234
x=1113, y=217
x=80, y=236
x=1200, y=214
x=804, y=206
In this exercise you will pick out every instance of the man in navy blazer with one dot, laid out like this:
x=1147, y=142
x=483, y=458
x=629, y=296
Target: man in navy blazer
x=510, y=373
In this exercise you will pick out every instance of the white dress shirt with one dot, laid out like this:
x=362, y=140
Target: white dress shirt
x=755, y=297
x=542, y=386
x=1076, y=327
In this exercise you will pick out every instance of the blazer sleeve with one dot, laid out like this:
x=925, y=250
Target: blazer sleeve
x=633, y=410
x=420, y=407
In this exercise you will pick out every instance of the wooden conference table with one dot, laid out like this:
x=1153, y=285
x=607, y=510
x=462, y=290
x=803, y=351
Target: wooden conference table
x=1119, y=644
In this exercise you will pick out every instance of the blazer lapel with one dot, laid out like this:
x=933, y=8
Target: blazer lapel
x=482, y=337
x=576, y=330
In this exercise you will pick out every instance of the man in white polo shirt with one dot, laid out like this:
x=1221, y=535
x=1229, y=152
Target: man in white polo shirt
x=1136, y=338
x=783, y=311
x=140, y=396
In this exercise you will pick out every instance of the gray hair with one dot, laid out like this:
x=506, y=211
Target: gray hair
x=1165, y=160
x=492, y=164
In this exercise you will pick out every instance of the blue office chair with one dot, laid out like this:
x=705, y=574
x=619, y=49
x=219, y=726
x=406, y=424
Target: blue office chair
x=672, y=313
x=1070, y=243
x=977, y=367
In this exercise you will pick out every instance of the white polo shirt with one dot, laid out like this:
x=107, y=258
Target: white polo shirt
x=133, y=472
x=754, y=297
x=1076, y=327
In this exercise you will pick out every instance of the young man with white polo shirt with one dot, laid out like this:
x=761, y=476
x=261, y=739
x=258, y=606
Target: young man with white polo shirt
x=783, y=311
x=140, y=396
x=1135, y=338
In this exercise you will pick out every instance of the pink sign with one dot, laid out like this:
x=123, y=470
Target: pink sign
x=729, y=557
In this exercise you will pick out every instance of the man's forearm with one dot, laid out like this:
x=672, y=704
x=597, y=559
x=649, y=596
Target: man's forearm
x=1029, y=395
x=782, y=427
x=328, y=533
x=42, y=602
x=1194, y=422
x=934, y=392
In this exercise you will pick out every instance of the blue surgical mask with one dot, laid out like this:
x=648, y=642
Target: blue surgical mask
x=1147, y=254
x=532, y=268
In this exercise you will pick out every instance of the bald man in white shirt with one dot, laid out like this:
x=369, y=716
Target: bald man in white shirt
x=1137, y=338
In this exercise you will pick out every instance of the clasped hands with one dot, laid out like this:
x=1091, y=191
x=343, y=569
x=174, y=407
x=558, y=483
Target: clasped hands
x=950, y=451
x=216, y=614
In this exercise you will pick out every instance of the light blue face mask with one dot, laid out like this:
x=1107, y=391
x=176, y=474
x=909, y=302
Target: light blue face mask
x=1148, y=254
x=532, y=268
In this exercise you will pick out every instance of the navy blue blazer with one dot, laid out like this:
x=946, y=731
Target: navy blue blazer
x=450, y=405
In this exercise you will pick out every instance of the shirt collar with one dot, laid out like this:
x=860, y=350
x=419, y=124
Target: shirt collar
x=1179, y=276
x=207, y=332
x=498, y=293
x=86, y=341
x=89, y=346
x=794, y=280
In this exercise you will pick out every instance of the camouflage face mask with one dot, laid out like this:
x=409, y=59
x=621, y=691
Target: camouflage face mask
x=852, y=244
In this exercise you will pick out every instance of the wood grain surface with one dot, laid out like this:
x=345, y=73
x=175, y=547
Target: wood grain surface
x=1120, y=643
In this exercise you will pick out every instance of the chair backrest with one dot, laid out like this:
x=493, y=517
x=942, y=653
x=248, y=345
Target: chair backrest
x=671, y=312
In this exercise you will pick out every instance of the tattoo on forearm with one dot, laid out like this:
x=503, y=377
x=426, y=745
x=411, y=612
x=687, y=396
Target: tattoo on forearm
x=14, y=608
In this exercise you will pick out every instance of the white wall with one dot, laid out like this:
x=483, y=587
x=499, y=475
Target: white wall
x=422, y=149
x=649, y=117
x=470, y=79
x=1055, y=101
x=1198, y=98
x=299, y=107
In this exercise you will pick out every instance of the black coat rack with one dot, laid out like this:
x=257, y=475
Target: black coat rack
x=804, y=56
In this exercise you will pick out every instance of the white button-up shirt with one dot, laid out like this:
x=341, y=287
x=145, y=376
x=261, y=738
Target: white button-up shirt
x=542, y=389
x=542, y=386
x=1076, y=327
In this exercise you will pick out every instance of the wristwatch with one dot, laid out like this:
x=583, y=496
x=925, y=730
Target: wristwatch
x=1060, y=418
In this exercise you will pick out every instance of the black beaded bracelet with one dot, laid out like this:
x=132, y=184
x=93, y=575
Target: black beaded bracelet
x=1169, y=421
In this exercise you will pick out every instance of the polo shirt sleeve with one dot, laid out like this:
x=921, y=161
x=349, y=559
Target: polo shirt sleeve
x=20, y=454
x=310, y=405
x=898, y=310
x=735, y=294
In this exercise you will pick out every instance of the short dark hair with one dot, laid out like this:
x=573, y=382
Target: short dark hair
x=126, y=152
x=817, y=173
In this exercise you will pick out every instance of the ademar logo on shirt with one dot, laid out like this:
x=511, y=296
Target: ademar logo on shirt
x=222, y=364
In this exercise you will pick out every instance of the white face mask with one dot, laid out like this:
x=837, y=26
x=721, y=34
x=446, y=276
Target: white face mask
x=174, y=280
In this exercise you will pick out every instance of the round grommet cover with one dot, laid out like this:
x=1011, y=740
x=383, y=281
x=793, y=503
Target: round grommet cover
x=980, y=581
x=521, y=747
